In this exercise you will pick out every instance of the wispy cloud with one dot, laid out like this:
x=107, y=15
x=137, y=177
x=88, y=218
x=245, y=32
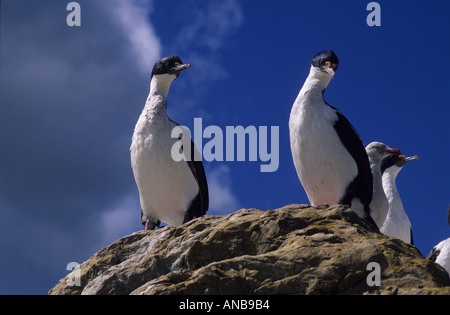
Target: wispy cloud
x=204, y=33
x=211, y=24
x=132, y=17
x=222, y=198
x=121, y=219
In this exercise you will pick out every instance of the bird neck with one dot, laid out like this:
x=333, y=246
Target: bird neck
x=376, y=171
x=389, y=186
x=159, y=89
x=379, y=196
x=316, y=83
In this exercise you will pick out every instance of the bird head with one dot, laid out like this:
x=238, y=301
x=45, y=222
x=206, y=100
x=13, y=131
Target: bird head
x=327, y=62
x=397, y=161
x=169, y=66
x=378, y=151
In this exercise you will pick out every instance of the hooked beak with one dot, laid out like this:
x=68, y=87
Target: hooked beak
x=328, y=70
x=177, y=69
x=411, y=158
x=403, y=160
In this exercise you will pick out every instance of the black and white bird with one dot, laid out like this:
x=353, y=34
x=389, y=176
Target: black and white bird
x=328, y=154
x=170, y=191
x=441, y=252
x=376, y=152
x=397, y=223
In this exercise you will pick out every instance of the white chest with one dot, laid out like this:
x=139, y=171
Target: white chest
x=379, y=204
x=166, y=187
x=397, y=223
x=323, y=164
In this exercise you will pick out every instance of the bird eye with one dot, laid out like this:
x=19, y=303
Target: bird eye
x=176, y=63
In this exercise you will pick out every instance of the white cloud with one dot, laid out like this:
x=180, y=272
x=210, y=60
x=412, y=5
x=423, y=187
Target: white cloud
x=221, y=196
x=121, y=220
x=132, y=17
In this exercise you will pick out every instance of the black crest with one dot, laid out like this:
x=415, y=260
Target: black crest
x=390, y=161
x=324, y=56
x=165, y=65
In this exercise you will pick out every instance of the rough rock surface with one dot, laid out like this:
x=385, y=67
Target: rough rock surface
x=297, y=249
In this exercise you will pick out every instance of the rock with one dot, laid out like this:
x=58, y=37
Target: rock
x=297, y=249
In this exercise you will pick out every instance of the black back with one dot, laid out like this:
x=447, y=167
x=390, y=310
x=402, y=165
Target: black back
x=199, y=206
x=362, y=185
x=433, y=255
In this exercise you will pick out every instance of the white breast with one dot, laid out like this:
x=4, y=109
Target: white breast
x=166, y=187
x=397, y=223
x=324, y=166
x=379, y=204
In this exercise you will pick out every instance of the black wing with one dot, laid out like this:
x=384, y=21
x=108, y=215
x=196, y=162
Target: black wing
x=433, y=254
x=200, y=204
x=362, y=185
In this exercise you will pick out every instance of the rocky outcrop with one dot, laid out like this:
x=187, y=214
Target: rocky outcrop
x=297, y=249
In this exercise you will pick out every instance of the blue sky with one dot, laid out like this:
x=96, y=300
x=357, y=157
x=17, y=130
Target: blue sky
x=70, y=98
